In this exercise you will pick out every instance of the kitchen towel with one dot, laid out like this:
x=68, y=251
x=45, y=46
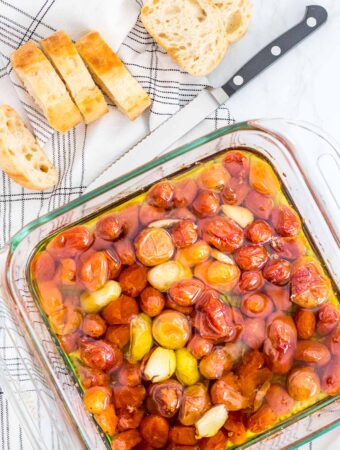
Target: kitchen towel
x=80, y=155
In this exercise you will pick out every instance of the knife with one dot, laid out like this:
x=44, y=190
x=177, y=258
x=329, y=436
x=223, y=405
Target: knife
x=210, y=99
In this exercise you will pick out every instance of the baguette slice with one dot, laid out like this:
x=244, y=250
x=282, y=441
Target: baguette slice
x=112, y=76
x=63, y=54
x=236, y=15
x=20, y=155
x=191, y=31
x=44, y=85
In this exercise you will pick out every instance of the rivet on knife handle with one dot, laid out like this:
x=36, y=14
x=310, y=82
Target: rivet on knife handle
x=315, y=17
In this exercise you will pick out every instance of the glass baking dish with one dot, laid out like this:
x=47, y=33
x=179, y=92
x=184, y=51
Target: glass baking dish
x=47, y=398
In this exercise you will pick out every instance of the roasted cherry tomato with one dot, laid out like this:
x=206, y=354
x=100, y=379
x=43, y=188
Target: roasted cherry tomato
x=235, y=427
x=251, y=257
x=100, y=354
x=235, y=191
x=249, y=281
x=259, y=232
x=67, y=272
x=199, y=346
x=279, y=296
x=171, y=329
x=107, y=420
x=50, y=297
x=277, y=271
x=114, y=263
x=328, y=317
x=149, y=213
x=216, y=442
x=70, y=242
x=256, y=305
x=206, y=204
x=94, y=271
x=125, y=251
x=303, y=383
x=182, y=214
x=109, y=227
x=154, y=246
x=280, y=344
x=151, y=301
x=161, y=195
x=182, y=435
x=222, y=277
x=213, y=365
x=155, y=430
x=126, y=440
x=97, y=398
x=279, y=400
x=309, y=284
x=133, y=280
x=65, y=320
x=186, y=292
x=213, y=178
x=285, y=220
x=184, y=234
x=313, y=353
x=169, y=303
x=289, y=247
x=69, y=342
x=129, y=419
x=185, y=193
x=93, y=325
x=118, y=335
x=333, y=341
x=262, y=178
x=128, y=397
x=129, y=217
x=43, y=266
x=227, y=391
x=260, y=205
x=305, y=323
x=330, y=378
x=237, y=164
x=254, y=333
x=165, y=397
x=263, y=419
x=120, y=311
x=130, y=374
x=222, y=233
x=90, y=376
x=194, y=254
x=195, y=403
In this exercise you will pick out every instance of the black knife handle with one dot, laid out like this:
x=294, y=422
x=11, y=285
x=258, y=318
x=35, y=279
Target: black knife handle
x=315, y=16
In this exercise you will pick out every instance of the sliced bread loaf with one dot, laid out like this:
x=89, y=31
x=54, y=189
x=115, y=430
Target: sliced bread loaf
x=236, y=15
x=44, y=85
x=191, y=31
x=64, y=56
x=20, y=155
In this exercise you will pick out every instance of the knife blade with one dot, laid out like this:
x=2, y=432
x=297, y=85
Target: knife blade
x=210, y=99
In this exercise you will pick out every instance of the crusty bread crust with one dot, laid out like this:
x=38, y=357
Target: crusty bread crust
x=112, y=76
x=64, y=56
x=20, y=155
x=192, y=32
x=44, y=85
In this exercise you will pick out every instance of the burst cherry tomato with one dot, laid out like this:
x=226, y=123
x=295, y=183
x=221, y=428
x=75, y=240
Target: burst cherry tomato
x=285, y=220
x=114, y=264
x=43, y=266
x=165, y=397
x=182, y=435
x=133, y=280
x=126, y=440
x=289, y=247
x=303, y=383
x=149, y=213
x=129, y=419
x=90, y=376
x=154, y=246
x=279, y=400
x=256, y=305
x=277, y=271
x=151, y=301
x=313, y=353
x=195, y=402
x=125, y=252
x=235, y=427
x=185, y=193
x=249, y=281
x=221, y=232
x=100, y=354
x=262, y=178
x=333, y=341
x=93, y=325
x=305, y=323
x=328, y=317
x=70, y=242
x=128, y=397
x=330, y=378
x=259, y=204
x=254, y=333
x=263, y=419
x=155, y=430
x=213, y=365
x=199, y=346
x=184, y=234
x=109, y=227
x=118, y=335
x=120, y=311
x=161, y=195
x=237, y=164
x=279, y=296
x=227, y=391
x=216, y=442
x=97, y=398
x=50, y=297
x=130, y=374
x=94, y=271
x=235, y=191
x=186, y=292
x=259, y=232
x=206, y=204
x=213, y=178
x=251, y=257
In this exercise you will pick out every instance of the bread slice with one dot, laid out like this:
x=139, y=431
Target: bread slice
x=191, y=31
x=44, y=85
x=236, y=15
x=20, y=155
x=63, y=54
x=112, y=76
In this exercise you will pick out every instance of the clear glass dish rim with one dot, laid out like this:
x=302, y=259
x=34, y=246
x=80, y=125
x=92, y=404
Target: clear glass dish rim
x=249, y=125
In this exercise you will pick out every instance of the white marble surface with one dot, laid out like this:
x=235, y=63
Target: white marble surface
x=304, y=85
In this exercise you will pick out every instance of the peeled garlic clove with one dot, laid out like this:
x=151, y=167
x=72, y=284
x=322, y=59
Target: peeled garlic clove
x=164, y=275
x=94, y=302
x=186, y=367
x=164, y=223
x=242, y=216
x=222, y=257
x=140, y=337
x=161, y=365
x=211, y=422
